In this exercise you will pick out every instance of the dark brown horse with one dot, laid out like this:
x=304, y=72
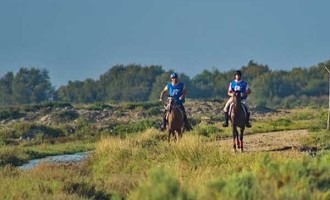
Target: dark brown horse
x=175, y=120
x=237, y=119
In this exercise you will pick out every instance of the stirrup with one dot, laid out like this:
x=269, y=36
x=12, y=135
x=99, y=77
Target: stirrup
x=162, y=128
x=188, y=127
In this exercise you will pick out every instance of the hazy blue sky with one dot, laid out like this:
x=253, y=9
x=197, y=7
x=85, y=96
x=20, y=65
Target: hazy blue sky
x=79, y=39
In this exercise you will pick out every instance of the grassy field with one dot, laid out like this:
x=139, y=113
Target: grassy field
x=142, y=165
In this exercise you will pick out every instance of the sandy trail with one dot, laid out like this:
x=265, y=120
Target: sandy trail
x=272, y=141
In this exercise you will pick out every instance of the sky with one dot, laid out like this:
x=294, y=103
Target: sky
x=80, y=39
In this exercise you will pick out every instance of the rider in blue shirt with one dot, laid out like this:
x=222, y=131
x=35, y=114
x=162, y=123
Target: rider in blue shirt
x=238, y=85
x=178, y=91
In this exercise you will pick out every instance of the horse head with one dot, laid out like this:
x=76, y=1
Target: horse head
x=171, y=103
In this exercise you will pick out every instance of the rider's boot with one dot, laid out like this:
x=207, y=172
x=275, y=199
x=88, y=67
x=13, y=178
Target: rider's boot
x=186, y=123
x=163, y=125
x=225, y=124
x=248, y=124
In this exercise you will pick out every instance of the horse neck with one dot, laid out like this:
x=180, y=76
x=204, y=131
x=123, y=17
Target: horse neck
x=172, y=106
x=237, y=103
x=176, y=108
x=175, y=112
x=237, y=114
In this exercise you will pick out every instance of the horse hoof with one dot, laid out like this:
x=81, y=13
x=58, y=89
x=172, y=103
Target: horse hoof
x=241, y=151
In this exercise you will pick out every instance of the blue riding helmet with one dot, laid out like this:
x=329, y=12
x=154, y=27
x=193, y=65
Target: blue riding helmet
x=174, y=75
x=238, y=72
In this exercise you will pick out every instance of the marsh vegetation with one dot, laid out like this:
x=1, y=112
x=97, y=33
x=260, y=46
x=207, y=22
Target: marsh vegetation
x=131, y=158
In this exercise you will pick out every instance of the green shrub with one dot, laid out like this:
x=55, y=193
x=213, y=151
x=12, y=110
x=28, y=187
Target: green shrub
x=317, y=126
x=282, y=122
x=154, y=111
x=11, y=156
x=272, y=179
x=321, y=138
x=84, y=189
x=99, y=106
x=138, y=126
x=120, y=112
x=144, y=105
x=63, y=116
x=160, y=185
x=207, y=131
x=85, y=128
x=52, y=105
x=240, y=186
x=29, y=131
x=10, y=113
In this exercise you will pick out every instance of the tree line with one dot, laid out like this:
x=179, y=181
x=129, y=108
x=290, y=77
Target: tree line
x=136, y=83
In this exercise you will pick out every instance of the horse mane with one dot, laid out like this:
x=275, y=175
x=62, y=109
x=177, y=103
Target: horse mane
x=172, y=104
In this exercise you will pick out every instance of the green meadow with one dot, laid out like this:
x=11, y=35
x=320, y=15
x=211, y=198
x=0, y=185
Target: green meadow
x=134, y=160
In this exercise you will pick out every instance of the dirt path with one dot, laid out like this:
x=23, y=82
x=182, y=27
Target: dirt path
x=272, y=141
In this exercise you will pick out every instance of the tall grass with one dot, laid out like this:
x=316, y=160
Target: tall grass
x=143, y=165
x=294, y=119
x=146, y=166
x=50, y=182
x=200, y=170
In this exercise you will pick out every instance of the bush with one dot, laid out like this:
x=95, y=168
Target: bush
x=64, y=116
x=85, y=128
x=11, y=156
x=144, y=105
x=241, y=186
x=29, y=131
x=160, y=185
x=10, y=113
x=134, y=127
x=52, y=105
x=84, y=189
x=282, y=122
x=207, y=131
x=99, y=106
x=154, y=111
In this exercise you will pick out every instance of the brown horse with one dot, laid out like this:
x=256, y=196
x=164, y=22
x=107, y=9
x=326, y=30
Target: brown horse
x=237, y=119
x=175, y=120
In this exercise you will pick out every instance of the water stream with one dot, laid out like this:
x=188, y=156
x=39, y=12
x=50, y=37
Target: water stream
x=58, y=159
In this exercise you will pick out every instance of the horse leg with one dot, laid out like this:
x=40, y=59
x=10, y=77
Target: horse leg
x=234, y=138
x=169, y=135
x=176, y=133
x=180, y=133
x=241, y=138
x=238, y=144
